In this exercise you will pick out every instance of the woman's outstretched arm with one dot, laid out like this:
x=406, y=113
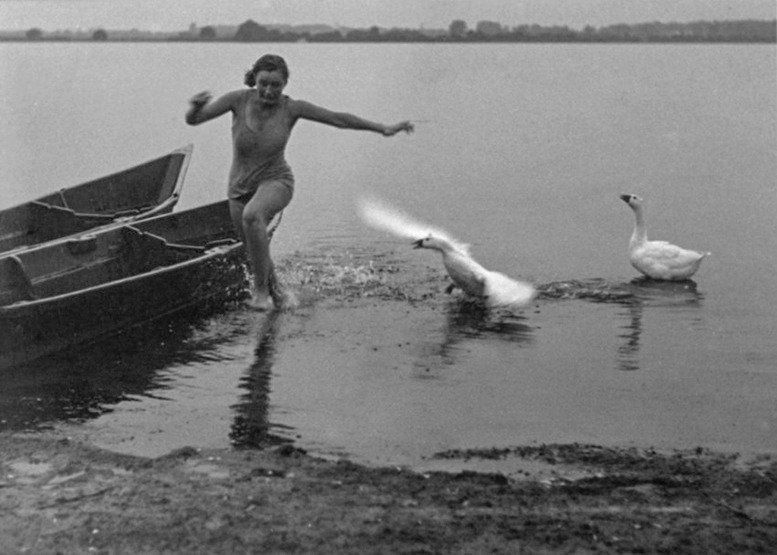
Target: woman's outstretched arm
x=344, y=120
x=202, y=108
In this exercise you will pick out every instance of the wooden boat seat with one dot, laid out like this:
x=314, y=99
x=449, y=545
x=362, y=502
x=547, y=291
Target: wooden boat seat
x=82, y=245
x=56, y=221
x=144, y=251
x=13, y=238
x=15, y=278
x=147, y=251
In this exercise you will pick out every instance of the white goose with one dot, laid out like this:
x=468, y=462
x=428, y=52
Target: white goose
x=659, y=259
x=493, y=288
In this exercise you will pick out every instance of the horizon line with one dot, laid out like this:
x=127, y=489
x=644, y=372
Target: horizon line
x=421, y=27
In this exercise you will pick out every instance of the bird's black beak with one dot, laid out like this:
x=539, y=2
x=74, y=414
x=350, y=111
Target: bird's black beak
x=625, y=198
x=418, y=244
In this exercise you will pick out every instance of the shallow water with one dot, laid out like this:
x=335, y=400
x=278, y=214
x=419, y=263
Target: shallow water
x=382, y=366
x=524, y=155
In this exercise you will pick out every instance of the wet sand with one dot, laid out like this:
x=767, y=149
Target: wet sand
x=61, y=496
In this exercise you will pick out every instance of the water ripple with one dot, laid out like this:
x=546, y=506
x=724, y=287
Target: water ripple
x=595, y=289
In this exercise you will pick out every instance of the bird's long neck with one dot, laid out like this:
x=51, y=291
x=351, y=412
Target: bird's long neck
x=640, y=231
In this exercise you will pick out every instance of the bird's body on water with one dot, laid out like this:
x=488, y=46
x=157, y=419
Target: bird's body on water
x=492, y=288
x=658, y=259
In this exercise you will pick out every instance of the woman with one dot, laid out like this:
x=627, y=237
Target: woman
x=261, y=183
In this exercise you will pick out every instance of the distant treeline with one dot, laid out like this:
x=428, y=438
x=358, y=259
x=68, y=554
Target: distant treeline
x=458, y=31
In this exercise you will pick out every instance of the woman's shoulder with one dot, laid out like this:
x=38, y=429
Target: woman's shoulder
x=240, y=94
x=236, y=97
x=296, y=106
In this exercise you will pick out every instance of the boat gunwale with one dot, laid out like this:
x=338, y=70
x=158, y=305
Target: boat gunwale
x=18, y=308
x=163, y=208
x=175, y=196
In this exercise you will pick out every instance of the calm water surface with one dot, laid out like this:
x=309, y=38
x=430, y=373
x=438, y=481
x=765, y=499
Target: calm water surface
x=520, y=150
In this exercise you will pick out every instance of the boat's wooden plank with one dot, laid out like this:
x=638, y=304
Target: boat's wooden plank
x=142, y=191
x=82, y=288
x=18, y=279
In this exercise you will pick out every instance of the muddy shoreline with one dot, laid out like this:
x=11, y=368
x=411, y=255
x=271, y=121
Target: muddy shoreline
x=61, y=495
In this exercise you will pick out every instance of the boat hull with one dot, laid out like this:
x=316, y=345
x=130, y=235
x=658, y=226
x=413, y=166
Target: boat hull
x=99, y=285
x=142, y=191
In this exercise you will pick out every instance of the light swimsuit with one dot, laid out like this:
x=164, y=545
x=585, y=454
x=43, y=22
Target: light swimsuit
x=258, y=155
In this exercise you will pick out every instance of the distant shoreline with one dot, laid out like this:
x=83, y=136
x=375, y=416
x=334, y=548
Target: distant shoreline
x=733, y=31
x=432, y=42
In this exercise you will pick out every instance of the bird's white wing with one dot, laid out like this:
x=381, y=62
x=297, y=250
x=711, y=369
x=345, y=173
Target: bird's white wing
x=501, y=290
x=667, y=253
x=381, y=216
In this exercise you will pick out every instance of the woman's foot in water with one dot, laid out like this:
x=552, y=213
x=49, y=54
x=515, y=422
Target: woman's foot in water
x=283, y=299
x=260, y=301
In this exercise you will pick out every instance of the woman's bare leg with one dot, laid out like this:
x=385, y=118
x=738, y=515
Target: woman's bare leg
x=270, y=198
x=236, y=213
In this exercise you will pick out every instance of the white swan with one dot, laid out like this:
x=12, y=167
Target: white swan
x=659, y=259
x=493, y=288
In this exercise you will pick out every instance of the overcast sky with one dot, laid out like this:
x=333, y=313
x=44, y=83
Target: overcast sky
x=179, y=14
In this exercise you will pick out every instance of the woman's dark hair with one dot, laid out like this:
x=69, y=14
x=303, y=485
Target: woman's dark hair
x=268, y=62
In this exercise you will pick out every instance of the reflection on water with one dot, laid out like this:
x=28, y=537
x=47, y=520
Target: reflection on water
x=467, y=321
x=470, y=319
x=592, y=289
x=668, y=293
x=473, y=320
x=628, y=351
x=651, y=295
x=251, y=426
x=87, y=381
x=407, y=367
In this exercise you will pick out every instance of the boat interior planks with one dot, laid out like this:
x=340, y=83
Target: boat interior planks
x=141, y=191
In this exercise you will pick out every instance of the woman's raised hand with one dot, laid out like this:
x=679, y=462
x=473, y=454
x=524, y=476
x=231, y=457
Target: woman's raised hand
x=201, y=99
x=392, y=130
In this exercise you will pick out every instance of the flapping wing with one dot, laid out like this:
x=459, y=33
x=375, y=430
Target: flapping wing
x=504, y=291
x=380, y=215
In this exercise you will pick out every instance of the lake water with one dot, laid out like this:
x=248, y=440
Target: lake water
x=520, y=150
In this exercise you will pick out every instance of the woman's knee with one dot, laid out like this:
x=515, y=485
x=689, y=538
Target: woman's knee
x=268, y=200
x=254, y=216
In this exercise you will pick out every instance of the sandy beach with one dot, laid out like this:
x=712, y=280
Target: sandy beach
x=62, y=496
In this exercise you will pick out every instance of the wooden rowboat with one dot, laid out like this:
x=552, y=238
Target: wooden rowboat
x=138, y=192
x=83, y=288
